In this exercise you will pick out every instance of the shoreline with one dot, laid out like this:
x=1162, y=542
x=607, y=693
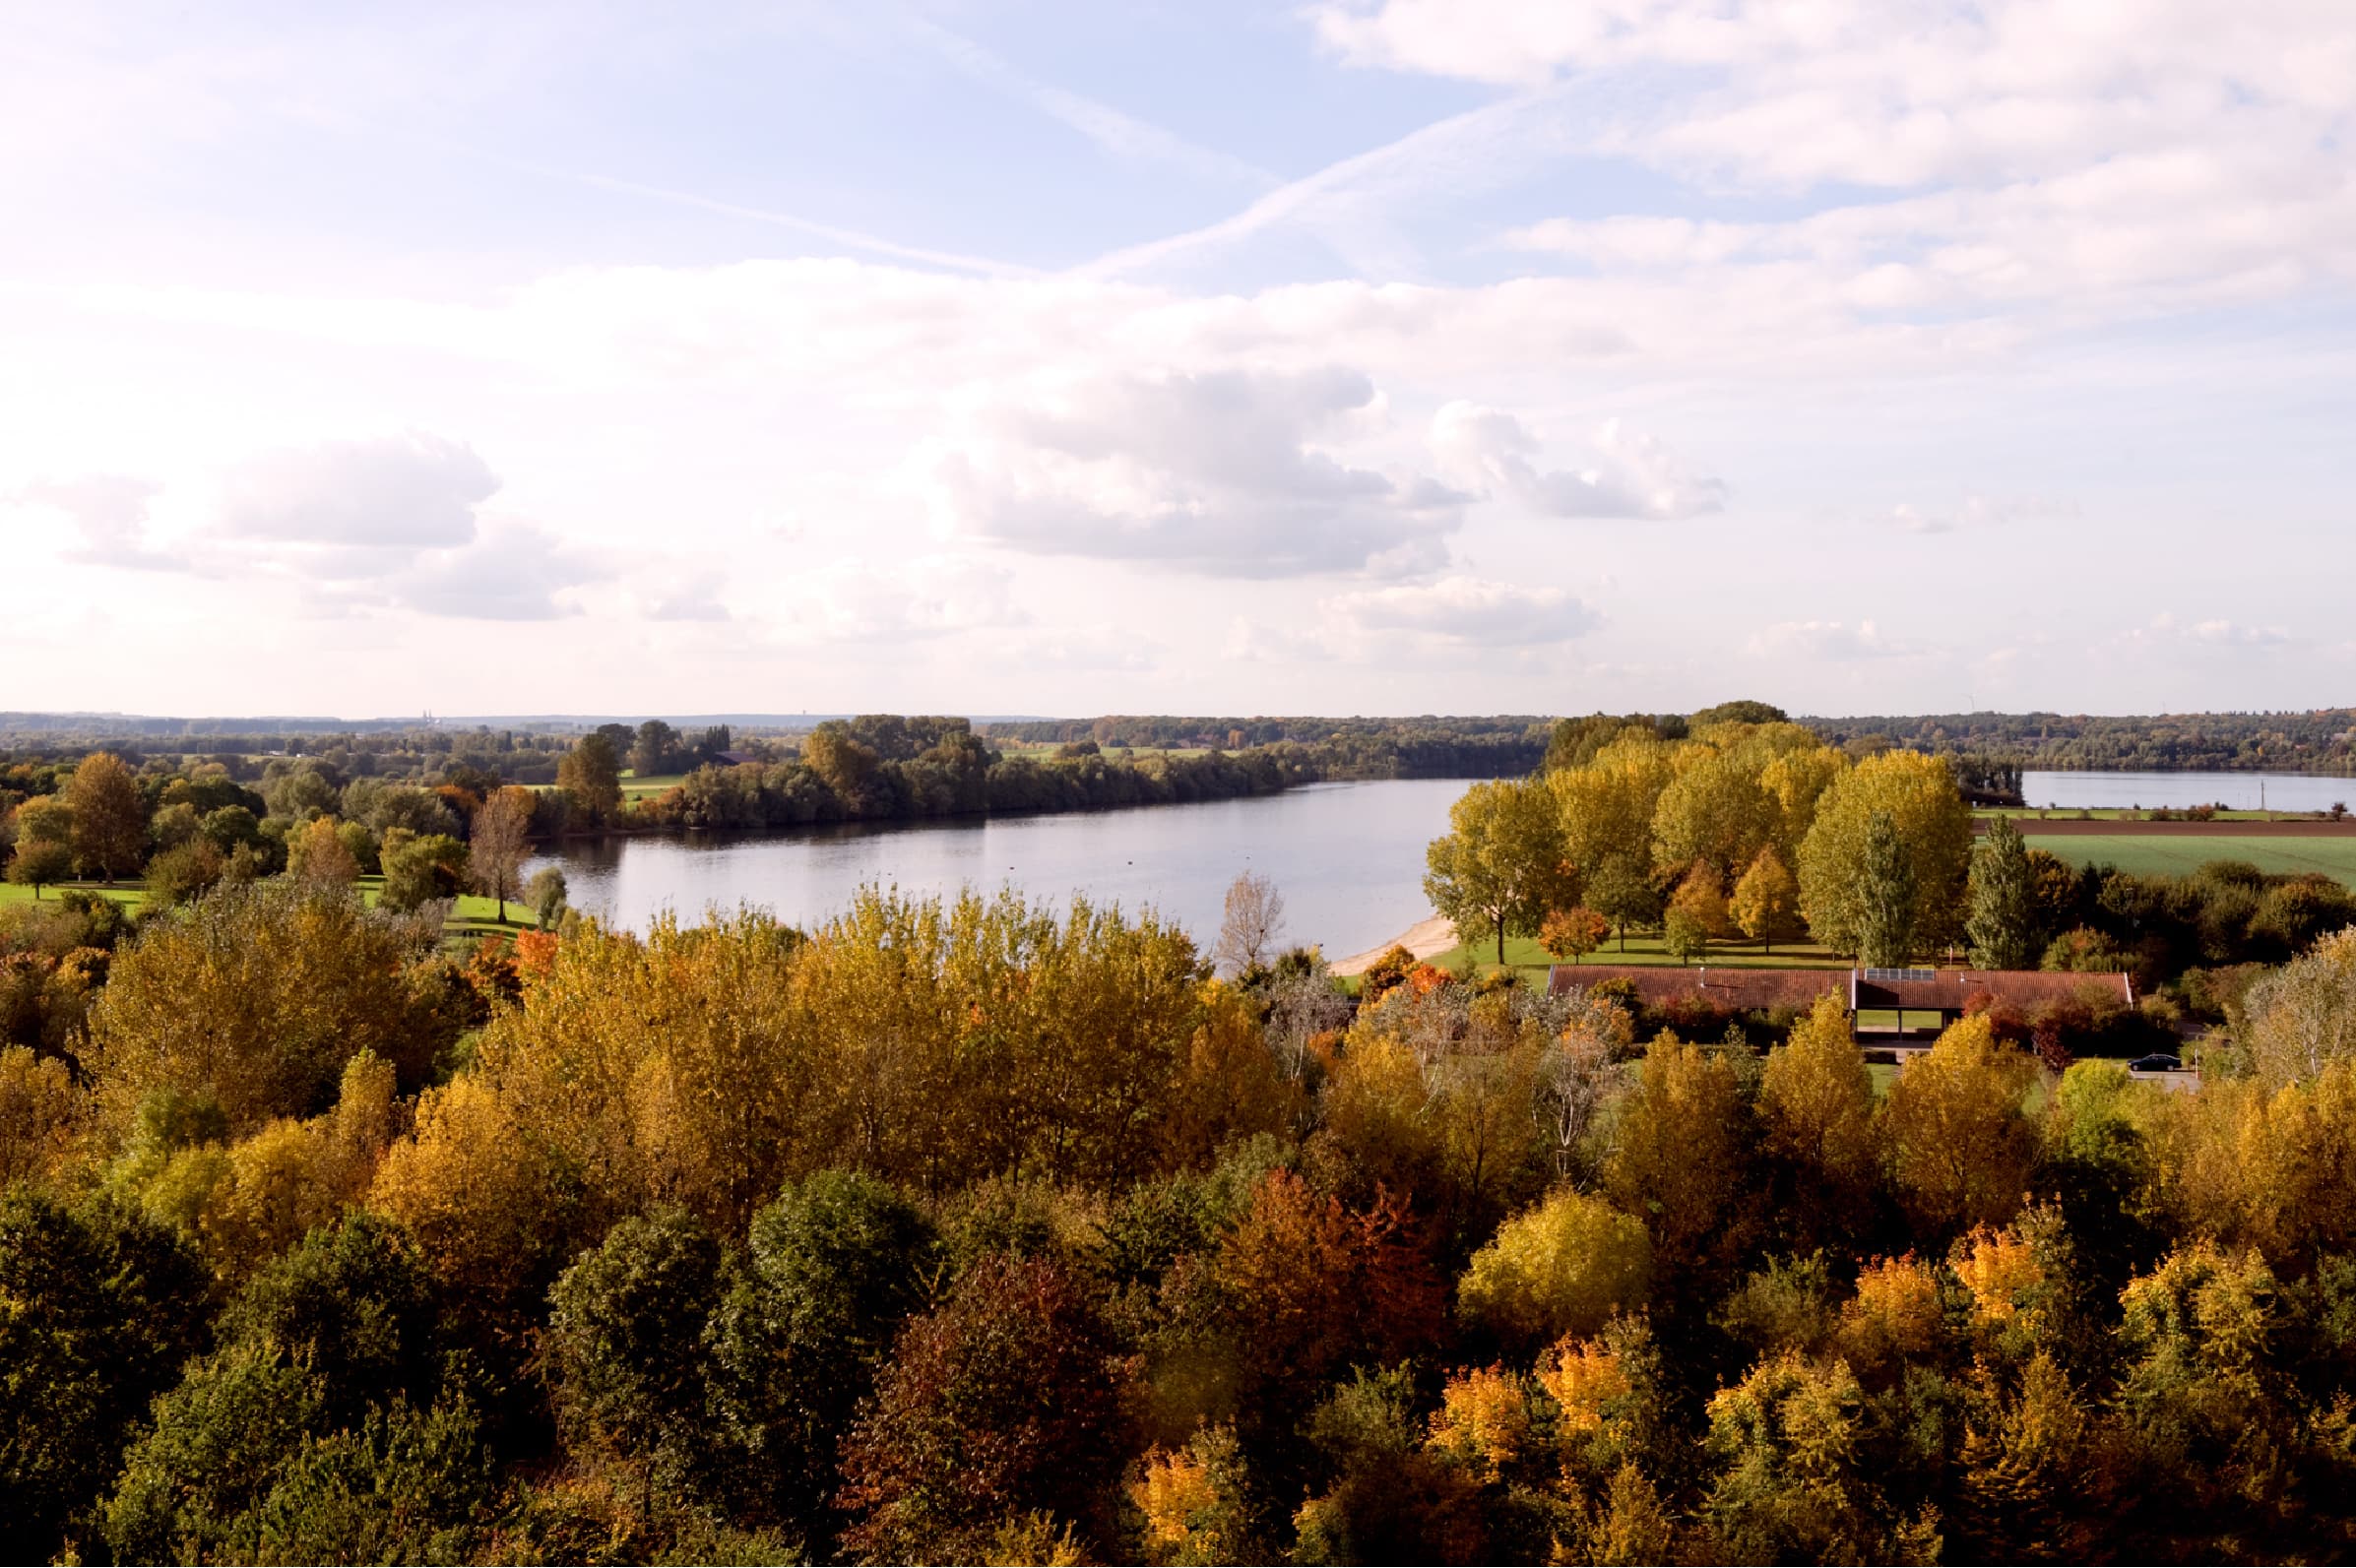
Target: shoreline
x=1424, y=939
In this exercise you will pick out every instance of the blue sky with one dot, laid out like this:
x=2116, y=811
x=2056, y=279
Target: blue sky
x=1374, y=355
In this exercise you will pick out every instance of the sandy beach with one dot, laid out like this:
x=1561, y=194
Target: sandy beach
x=1424, y=939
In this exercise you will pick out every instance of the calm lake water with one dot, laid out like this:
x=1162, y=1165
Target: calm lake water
x=1348, y=858
x=2238, y=791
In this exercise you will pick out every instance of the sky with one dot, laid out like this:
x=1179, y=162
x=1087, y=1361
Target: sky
x=1379, y=357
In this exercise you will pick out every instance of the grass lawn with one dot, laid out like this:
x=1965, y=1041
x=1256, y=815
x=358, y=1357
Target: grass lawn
x=2117, y=814
x=474, y=916
x=1524, y=954
x=635, y=788
x=2145, y=855
x=121, y=893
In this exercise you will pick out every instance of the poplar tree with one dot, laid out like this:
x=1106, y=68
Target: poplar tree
x=1885, y=896
x=2003, y=925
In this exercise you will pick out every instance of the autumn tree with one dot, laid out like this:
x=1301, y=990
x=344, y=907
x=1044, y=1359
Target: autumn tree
x=497, y=844
x=1960, y=1142
x=1714, y=811
x=259, y=996
x=591, y=773
x=1004, y=1400
x=110, y=821
x=1767, y=901
x=1680, y=1156
x=1817, y=1108
x=1501, y=867
x=546, y=893
x=1567, y=1266
x=1696, y=913
x=317, y=854
x=1252, y=925
x=1572, y=933
x=2003, y=925
x=1932, y=827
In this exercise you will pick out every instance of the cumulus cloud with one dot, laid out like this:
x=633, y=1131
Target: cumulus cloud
x=1466, y=611
x=1830, y=641
x=511, y=572
x=109, y=514
x=403, y=492
x=1631, y=476
x=1217, y=472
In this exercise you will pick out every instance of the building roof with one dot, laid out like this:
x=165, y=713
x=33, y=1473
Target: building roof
x=1738, y=990
x=1742, y=990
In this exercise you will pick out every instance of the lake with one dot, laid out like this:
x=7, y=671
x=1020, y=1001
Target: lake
x=2237, y=791
x=1348, y=858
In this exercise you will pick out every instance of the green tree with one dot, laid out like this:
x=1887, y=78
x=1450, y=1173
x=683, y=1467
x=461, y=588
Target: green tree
x=1621, y=892
x=419, y=870
x=1885, y=896
x=626, y=1339
x=833, y=1268
x=2002, y=926
x=110, y=820
x=40, y=864
x=654, y=748
x=1501, y=867
x=591, y=773
x=546, y=893
x=97, y=1308
x=1933, y=825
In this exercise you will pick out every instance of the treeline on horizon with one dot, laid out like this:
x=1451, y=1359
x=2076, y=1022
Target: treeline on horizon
x=2319, y=740
x=980, y=1231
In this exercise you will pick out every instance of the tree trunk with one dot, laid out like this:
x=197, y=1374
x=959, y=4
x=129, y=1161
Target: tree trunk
x=1500, y=943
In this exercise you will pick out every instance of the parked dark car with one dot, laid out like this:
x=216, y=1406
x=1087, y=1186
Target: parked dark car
x=2157, y=1062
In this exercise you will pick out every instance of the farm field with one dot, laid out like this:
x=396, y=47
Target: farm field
x=2146, y=854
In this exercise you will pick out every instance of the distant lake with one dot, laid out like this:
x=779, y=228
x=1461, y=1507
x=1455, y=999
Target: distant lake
x=1348, y=858
x=2237, y=791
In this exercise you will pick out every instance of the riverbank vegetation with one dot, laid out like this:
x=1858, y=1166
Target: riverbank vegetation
x=984, y=1232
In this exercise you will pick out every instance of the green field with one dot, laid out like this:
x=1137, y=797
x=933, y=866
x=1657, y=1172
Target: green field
x=473, y=915
x=1524, y=954
x=2173, y=855
x=635, y=788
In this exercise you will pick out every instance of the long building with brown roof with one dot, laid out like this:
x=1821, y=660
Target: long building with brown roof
x=1947, y=993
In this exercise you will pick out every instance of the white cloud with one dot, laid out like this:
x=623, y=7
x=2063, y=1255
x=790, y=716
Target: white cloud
x=1219, y=472
x=405, y=492
x=1631, y=474
x=110, y=515
x=1466, y=611
x=695, y=597
x=513, y=572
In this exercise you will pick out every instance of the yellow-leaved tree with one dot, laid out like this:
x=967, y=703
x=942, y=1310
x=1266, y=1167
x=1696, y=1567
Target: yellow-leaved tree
x=1960, y=1138
x=1933, y=825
